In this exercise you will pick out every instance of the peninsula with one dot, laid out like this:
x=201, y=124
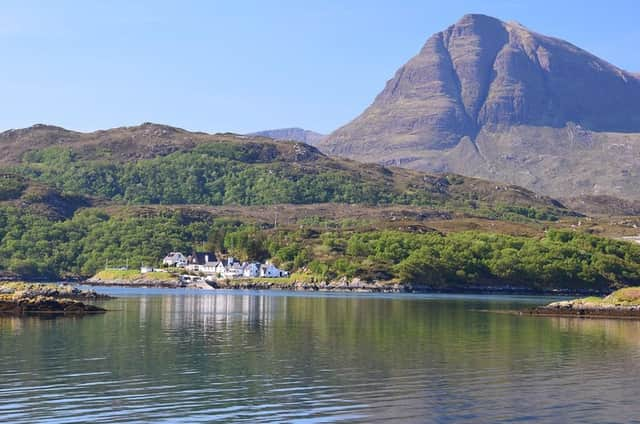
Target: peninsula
x=623, y=303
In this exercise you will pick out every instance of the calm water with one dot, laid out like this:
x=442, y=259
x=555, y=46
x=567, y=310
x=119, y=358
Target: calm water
x=168, y=356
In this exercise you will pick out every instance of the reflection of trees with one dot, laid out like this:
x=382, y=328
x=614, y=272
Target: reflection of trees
x=606, y=331
x=404, y=353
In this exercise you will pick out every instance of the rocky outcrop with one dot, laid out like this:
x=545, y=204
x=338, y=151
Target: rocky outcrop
x=19, y=298
x=45, y=305
x=623, y=303
x=587, y=310
x=495, y=100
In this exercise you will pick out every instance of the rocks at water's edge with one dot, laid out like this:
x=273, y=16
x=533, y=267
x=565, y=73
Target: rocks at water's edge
x=342, y=285
x=623, y=303
x=17, y=298
x=44, y=304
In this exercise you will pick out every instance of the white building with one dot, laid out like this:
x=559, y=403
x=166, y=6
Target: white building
x=174, y=259
x=201, y=262
x=251, y=270
x=210, y=267
x=234, y=271
x=269, y=270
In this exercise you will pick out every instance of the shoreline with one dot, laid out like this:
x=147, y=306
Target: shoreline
x=340, y=286
x=614, y=312
x=623, y=303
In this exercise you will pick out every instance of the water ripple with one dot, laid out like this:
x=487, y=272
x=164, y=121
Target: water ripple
x=272, y=359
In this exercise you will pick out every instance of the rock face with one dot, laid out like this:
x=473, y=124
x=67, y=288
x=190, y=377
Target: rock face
x=495, y=100
x=293, y=134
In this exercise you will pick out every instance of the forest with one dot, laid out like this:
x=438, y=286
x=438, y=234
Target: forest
x=254, y=174
x=34, y=246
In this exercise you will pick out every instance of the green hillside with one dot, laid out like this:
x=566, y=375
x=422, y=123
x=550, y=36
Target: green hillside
x=195, y=168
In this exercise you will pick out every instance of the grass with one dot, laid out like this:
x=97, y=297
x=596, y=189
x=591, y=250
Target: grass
x=629, y=296
x=132, y=274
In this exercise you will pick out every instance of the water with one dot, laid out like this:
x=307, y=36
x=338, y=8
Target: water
x=180, y=356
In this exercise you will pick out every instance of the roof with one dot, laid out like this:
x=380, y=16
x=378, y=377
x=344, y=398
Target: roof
x=199, y=257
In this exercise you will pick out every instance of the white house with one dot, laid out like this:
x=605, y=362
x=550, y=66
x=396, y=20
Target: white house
x=210, y=267
x=251, y=270
x=269, y=270
x=175, y=259
x=234, y=271
x=201, y=262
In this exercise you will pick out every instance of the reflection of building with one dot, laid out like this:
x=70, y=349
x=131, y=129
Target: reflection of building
x=220, y=310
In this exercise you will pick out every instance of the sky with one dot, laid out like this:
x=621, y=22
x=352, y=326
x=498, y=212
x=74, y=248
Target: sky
x=247, y=65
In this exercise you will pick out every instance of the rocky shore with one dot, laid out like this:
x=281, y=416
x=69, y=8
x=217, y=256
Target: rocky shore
x=624, y=303
x=17, y=298
x=342, y=285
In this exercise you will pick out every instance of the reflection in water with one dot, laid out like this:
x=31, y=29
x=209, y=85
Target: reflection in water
x=272, y=358
x=609, y=331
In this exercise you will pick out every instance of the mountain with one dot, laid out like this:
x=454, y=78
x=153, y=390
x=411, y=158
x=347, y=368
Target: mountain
x=293, y=134
x=158, y=164
x=494, y=100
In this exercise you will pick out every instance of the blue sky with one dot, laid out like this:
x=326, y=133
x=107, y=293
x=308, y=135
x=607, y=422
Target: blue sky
x=246, y=65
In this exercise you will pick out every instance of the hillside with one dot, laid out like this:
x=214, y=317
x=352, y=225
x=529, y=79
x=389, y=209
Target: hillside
x=292, y=134
x=495, y=100
x=39, y=199
x=155, y=189
x=155, y=164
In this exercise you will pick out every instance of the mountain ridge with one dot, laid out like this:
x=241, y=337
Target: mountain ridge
x=292, y=134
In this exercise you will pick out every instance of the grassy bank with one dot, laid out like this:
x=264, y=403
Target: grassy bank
x=629, y=296
x=134, y=275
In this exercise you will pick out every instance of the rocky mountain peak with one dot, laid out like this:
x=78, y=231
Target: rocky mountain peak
x=474, y=85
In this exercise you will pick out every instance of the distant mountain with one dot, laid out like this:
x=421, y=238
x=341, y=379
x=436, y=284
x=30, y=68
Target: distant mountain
x=491, y=99
x=293, y=134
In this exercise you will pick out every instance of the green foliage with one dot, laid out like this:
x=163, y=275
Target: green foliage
x=246, y=244
x=34, y=246
x=213, y=173
x=11, y=187
x=224, y=173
